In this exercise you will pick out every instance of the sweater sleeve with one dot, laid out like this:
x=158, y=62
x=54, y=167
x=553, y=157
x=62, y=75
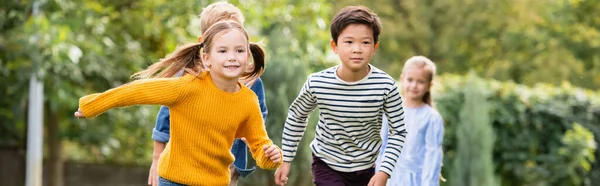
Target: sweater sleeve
x=255, y=133
x=161, y=91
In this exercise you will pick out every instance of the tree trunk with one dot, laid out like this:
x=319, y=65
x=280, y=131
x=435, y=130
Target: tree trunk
x=54, y=143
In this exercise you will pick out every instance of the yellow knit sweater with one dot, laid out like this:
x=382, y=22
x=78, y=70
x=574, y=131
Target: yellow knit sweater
x=204, y=123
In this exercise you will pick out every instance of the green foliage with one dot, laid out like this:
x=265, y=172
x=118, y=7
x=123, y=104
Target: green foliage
x=473, y=161
x=530, y=125
x=15, y=71
x=579, y=152
x=526, y=41
x=293, y=29
x=83, y=47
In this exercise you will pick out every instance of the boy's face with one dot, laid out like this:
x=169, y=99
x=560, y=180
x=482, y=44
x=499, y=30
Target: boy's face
x=355, y=47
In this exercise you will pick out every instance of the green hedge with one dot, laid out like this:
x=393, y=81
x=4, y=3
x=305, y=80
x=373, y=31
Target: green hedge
x=542, y=133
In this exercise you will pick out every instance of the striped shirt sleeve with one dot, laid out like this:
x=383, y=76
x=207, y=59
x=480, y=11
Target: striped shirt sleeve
x=397, y=133
x=297, y=120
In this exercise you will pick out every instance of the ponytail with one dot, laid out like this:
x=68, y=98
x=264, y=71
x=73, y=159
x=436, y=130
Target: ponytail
x=258, y=58
x=185, y=57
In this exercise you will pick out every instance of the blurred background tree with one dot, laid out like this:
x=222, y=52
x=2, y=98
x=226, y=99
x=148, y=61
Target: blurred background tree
x=525, y=41
x=91, y=46
x=474, y=164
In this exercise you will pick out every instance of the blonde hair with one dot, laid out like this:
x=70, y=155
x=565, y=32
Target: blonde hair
x=219, y=11
x=187, y=57
x=423, y=63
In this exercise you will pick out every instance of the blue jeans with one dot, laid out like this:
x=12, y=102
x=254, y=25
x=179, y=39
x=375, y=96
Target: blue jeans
x=239, y=151
x=165, y=182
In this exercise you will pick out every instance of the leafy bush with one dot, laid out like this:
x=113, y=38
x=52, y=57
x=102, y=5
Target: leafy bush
x=537, y=142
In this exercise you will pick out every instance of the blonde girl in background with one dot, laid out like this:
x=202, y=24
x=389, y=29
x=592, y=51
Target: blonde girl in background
x=420, y=162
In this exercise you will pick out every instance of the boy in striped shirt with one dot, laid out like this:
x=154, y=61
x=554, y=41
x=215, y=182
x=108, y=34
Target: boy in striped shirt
x=351, y=97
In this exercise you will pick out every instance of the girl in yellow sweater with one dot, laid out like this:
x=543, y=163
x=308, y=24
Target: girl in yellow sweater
x=209, y=107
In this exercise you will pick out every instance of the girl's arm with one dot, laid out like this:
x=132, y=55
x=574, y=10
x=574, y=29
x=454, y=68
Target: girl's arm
x=259, y=90
x=161, y=132
x=256, y=135
x=159, y=147
x=432, y=165
x=163, y=91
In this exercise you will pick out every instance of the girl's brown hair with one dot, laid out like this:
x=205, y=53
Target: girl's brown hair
x=188, y=56
x=427, y=64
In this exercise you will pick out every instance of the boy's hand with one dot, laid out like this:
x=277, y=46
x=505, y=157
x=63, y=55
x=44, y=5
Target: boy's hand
x=273, y=153
x=79, y=114
x=379, y=179
x=281, y=175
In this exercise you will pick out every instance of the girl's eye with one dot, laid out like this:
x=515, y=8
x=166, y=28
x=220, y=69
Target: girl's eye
x=240, y=51
x=222, y=51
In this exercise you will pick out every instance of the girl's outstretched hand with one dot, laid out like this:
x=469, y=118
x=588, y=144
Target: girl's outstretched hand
x=272, y=152
x=79, y=114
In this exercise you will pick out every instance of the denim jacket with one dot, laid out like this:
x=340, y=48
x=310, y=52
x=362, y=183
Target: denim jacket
x=239, y=149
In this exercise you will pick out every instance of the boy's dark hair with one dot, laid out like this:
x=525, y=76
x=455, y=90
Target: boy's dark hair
x=355, y=15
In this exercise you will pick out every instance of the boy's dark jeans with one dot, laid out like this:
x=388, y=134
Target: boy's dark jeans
x=323, y=175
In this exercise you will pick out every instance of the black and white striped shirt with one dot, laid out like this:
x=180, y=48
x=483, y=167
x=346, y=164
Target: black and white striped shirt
x=347, y=135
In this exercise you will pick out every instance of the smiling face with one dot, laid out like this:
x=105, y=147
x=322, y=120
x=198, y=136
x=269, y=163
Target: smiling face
x=355, y=46
x=416, y=81
x=228, y=55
